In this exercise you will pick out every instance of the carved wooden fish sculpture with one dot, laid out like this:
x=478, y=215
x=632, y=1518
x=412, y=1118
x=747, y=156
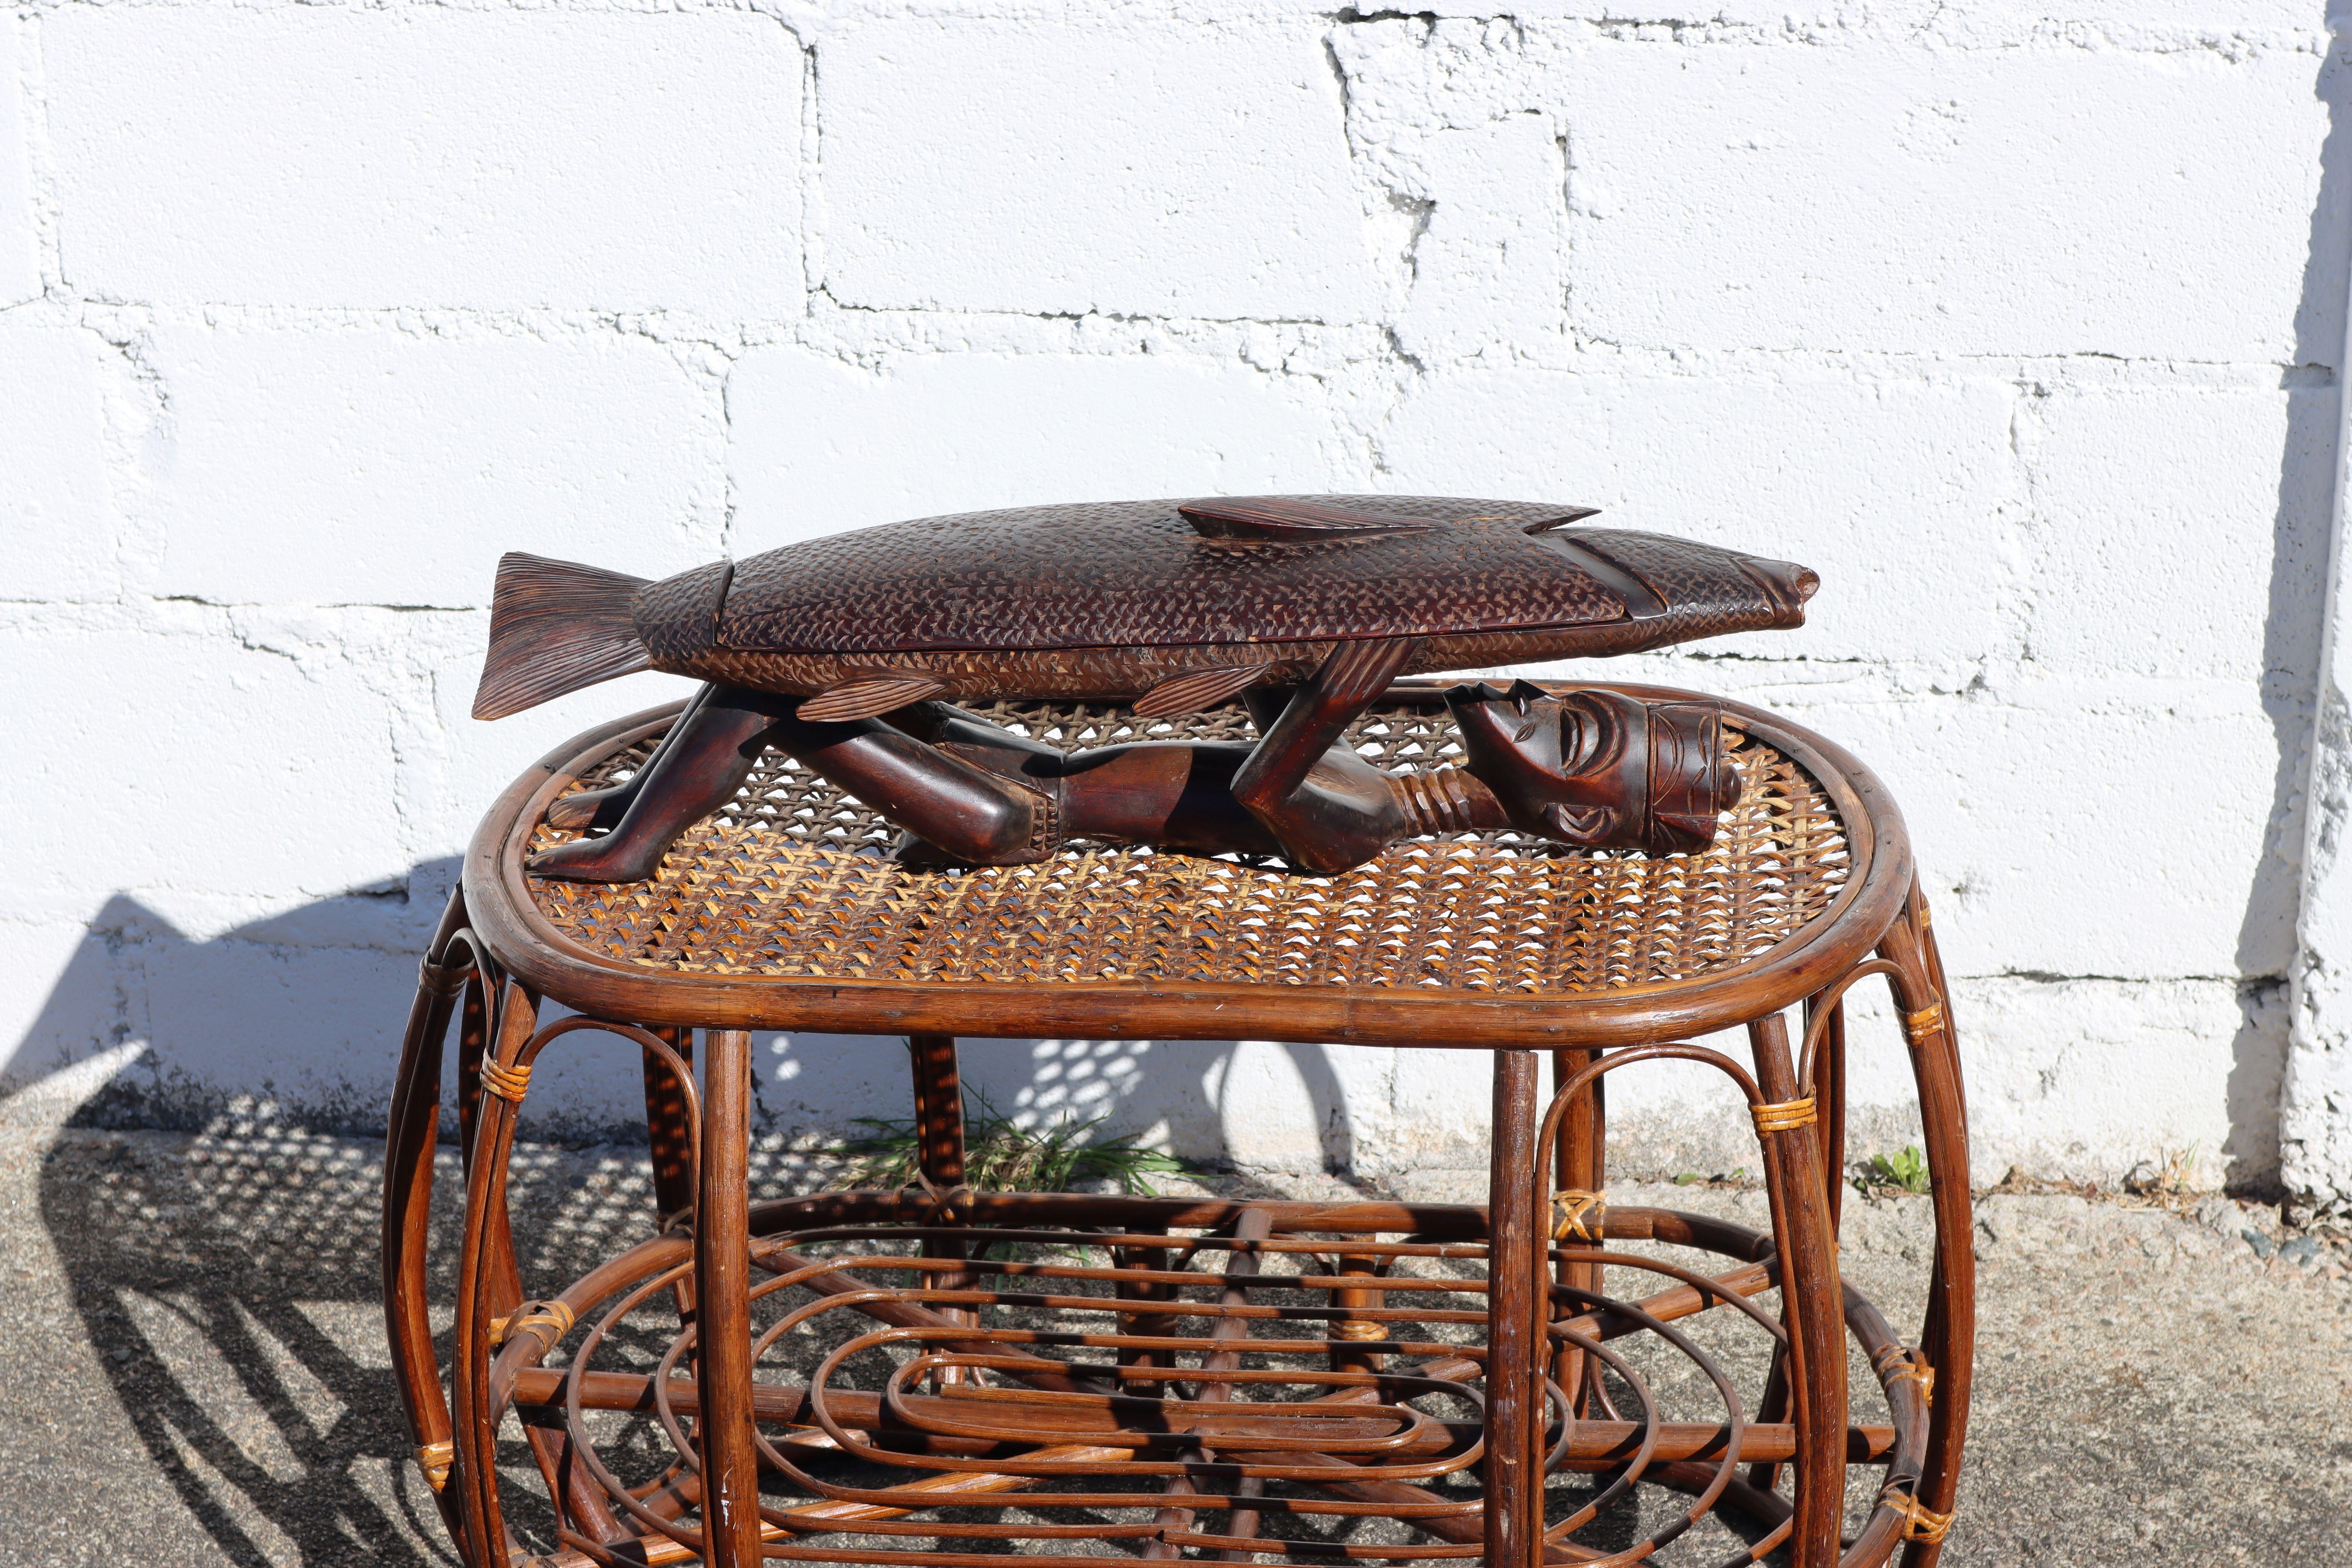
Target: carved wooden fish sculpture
x=1185, y=602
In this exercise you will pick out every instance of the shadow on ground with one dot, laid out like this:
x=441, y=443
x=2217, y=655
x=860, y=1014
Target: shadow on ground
x=202, y=1377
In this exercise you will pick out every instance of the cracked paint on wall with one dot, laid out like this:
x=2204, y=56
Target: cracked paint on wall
x=2022, y=323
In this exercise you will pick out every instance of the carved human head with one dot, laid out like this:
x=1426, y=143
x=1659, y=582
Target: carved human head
x=1597, y=768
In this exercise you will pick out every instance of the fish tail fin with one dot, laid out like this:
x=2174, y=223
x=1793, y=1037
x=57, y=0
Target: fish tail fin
x=555, y=627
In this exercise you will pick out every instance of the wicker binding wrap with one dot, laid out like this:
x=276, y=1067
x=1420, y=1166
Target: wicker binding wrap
x=795, y=881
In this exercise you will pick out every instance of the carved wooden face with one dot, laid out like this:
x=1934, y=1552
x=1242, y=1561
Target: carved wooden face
x=1599, y=769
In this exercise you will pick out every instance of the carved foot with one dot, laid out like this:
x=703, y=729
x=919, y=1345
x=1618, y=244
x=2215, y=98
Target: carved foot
x=601, y=810
x=616, y=858
x=697, y=769
x=591, y=808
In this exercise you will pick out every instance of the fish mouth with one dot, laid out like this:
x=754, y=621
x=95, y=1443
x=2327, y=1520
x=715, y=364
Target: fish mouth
x=1790, y=583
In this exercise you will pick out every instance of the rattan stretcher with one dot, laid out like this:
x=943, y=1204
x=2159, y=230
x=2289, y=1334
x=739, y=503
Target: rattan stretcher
x=1007, y=1379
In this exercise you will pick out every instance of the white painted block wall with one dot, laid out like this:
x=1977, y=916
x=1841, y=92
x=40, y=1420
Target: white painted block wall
x=2021, y=322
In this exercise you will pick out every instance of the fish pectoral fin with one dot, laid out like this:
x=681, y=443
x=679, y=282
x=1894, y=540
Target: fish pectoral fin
x=1360, y=672
x=1189, y=693
x=1573, y=514
x=1297, y=522
x=868, y=695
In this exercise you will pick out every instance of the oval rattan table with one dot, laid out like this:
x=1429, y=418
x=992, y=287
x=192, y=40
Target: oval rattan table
x=1008, y=1379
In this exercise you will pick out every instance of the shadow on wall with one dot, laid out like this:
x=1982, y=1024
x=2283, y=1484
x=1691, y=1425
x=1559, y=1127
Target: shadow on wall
x=294, y=1017
x=293, y=1022
x=2292, y=628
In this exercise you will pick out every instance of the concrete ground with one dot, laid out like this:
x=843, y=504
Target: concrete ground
x=199, y=1373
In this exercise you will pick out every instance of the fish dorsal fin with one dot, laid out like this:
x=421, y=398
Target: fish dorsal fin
x=1280, y=518
x=865, y=696
x=1181, y=694
x=1573, y=514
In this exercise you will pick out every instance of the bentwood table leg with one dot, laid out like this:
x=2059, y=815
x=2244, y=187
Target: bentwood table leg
x=1515, y=1342
x=1947, y=1340
x=409, y=1140
x=1812, y=1297
x=1582, y=1167
x=670, y=1139
x=940, y=1156
x=488, y=1283
x=669, y=1142
x=722, y=1268
x=1828, y=1090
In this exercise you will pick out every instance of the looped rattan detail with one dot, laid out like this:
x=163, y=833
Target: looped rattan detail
x=443, y=979
x=1069, y=1416
x=1577, y=1215
x=1918, y=1026
x=549, y=1314
x=434, y=1460
x=1786, y=1116
x=1920, y=1522
x=796, y=880
x=506, y=1083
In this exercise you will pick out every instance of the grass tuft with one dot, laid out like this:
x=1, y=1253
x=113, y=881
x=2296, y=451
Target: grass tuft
x=1002, y=1157
x=2168, y=1181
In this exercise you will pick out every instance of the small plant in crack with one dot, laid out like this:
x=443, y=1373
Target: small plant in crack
x=1904, y=1171
x=2166, y=1180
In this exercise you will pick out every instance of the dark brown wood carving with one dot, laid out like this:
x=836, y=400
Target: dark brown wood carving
x=845, y=651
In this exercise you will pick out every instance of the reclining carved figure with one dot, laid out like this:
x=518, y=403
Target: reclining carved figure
x=841, y=651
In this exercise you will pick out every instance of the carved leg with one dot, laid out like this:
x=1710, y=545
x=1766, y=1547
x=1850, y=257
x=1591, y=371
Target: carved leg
x=702, y=764
x=978, y=741
x=600, y=810
x=972, y=816
x=1327, y=819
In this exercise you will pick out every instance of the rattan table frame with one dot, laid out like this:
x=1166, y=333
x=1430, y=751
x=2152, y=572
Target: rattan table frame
x=1544, y=1237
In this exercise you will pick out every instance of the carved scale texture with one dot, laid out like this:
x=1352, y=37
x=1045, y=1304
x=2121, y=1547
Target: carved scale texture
x=679, y=616
x=1097, y=672
x=1707, y=592
x=1135, y=573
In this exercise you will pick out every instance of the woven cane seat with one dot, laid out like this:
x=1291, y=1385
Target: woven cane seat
x=790, y=905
